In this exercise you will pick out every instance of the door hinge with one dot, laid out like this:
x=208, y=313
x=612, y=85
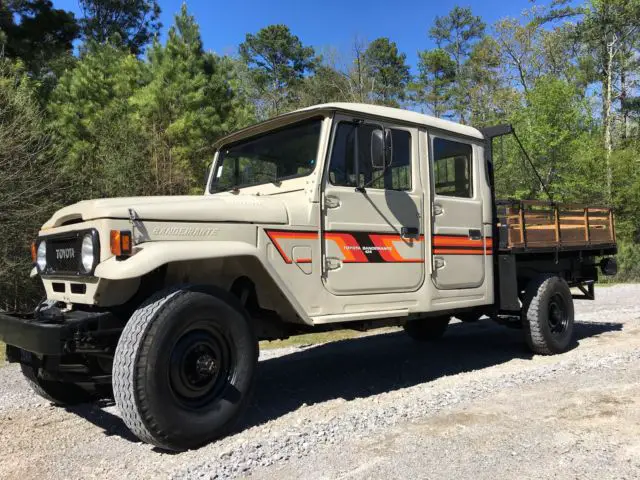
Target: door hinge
x=331, y=202
x=333, y=263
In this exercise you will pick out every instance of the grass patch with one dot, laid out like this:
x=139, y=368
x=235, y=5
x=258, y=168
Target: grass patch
x=315, y=338
x=2, y=351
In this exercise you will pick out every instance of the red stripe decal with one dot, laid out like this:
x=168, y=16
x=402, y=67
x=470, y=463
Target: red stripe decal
x=276, y=235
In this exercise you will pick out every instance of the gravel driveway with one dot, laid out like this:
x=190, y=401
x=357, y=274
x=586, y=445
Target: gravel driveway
x=474, y=405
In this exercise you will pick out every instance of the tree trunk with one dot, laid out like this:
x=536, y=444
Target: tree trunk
x=623, y=96
x=606, y=116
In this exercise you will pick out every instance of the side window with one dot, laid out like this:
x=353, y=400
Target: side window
x=452, y=168
x=342, y=166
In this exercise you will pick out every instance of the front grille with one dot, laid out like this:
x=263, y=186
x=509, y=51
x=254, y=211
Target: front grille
x=63, y=255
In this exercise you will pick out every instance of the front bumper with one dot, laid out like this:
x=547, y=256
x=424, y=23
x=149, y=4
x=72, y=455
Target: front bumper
x=58, y=336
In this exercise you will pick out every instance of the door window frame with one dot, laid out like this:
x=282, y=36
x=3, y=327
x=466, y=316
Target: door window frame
x=473, y=171
x=414, y=152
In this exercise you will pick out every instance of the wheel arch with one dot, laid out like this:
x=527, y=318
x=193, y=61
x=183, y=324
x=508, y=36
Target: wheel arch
x=220, y=264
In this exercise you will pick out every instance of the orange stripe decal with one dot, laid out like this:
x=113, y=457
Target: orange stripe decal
x=461, y=245
x=349, y=247
x=387, y=249
x=276, y=235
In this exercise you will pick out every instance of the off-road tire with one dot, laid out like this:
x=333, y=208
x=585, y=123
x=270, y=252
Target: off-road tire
x=544, y=331
x=427, y=329
x=145, y=369
x=59, y=393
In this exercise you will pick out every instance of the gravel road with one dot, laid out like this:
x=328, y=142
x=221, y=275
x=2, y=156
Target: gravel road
x=475, y=405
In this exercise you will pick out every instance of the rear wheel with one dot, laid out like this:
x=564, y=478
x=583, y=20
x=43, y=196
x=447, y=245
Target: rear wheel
x=60, y=393
x=548, y=315
x=184, y=368
x=427, y=329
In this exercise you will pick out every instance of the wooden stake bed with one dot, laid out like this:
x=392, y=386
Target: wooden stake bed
x=532, y=225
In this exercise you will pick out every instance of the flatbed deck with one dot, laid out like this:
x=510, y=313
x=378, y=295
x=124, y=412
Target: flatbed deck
x=536, y=226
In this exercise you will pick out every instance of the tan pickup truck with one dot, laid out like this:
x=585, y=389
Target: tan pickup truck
x=335, y=216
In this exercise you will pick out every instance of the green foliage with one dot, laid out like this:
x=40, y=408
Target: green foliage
x=277, y=61
x=434, y=87
x=549, y=125
x=387, y=67
x=129, y=23
x=40, y=36
x=326, y=85
x=89, y=102
x=185, y=108
x=28, y=184
x=628, y=259
x=457, y=33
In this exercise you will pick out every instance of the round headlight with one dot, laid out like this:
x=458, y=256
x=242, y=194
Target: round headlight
x=87, y=253
x=41, y=256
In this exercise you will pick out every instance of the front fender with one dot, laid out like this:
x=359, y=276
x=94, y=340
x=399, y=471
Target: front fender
x=152, y=255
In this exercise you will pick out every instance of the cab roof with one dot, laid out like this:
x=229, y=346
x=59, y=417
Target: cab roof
x=397, y=114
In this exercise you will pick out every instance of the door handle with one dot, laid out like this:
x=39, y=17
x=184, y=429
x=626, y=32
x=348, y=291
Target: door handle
x=409, y=232
x=475, y=234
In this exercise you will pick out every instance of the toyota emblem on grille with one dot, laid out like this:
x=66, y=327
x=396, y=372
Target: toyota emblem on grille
x=65, y=253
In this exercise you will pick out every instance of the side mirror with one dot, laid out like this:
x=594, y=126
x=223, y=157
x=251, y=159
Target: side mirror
x=381, y=149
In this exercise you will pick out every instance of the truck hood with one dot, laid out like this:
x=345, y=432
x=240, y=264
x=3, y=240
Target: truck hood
x=215, y=208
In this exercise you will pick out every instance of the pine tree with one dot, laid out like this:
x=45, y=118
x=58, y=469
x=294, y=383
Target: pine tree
x=456, y=33
x=389, y=71
x=128, y=23
x=100, y=148
x=185, y=108
x=278, y=62
x=434, y=86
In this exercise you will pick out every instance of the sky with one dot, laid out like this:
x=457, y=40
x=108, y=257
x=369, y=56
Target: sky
x=325, y=23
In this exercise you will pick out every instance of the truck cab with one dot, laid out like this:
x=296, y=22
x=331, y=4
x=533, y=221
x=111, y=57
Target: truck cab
x=333, y=216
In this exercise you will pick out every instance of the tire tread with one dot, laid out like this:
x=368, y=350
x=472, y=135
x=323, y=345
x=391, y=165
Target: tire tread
x=129, y=397
x=531, y=312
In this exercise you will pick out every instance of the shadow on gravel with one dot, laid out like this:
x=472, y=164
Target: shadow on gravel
x=382, y=363
x=111, y=424
x=361, y=367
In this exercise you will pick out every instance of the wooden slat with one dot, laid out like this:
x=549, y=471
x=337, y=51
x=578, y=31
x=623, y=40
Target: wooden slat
x=535, y=223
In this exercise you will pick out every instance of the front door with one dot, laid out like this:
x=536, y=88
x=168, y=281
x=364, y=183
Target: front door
x=372, y=237
x=458, y=244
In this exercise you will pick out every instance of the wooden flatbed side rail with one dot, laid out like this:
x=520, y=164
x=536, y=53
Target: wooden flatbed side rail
x=534, y=224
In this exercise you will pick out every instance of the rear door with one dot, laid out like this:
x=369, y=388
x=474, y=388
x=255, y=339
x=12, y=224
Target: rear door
x=373, y=239
x=458, y=243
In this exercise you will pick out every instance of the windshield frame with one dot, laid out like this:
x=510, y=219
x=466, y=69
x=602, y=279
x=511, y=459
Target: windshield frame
x=211, y=184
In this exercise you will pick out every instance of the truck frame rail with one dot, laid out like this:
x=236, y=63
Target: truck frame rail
x=533, y=225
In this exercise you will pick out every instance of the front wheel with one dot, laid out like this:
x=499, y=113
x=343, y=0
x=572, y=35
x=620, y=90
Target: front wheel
x=184, y=368
x=547, y=315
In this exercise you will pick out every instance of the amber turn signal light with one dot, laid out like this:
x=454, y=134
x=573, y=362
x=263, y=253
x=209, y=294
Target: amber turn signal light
x=121, y=244
x=34, y=251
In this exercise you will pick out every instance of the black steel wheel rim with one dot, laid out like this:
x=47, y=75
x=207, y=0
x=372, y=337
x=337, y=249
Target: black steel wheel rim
x=558, y=317
x=201, y=365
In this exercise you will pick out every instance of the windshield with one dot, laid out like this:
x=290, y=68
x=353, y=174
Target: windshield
x=270, y=158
